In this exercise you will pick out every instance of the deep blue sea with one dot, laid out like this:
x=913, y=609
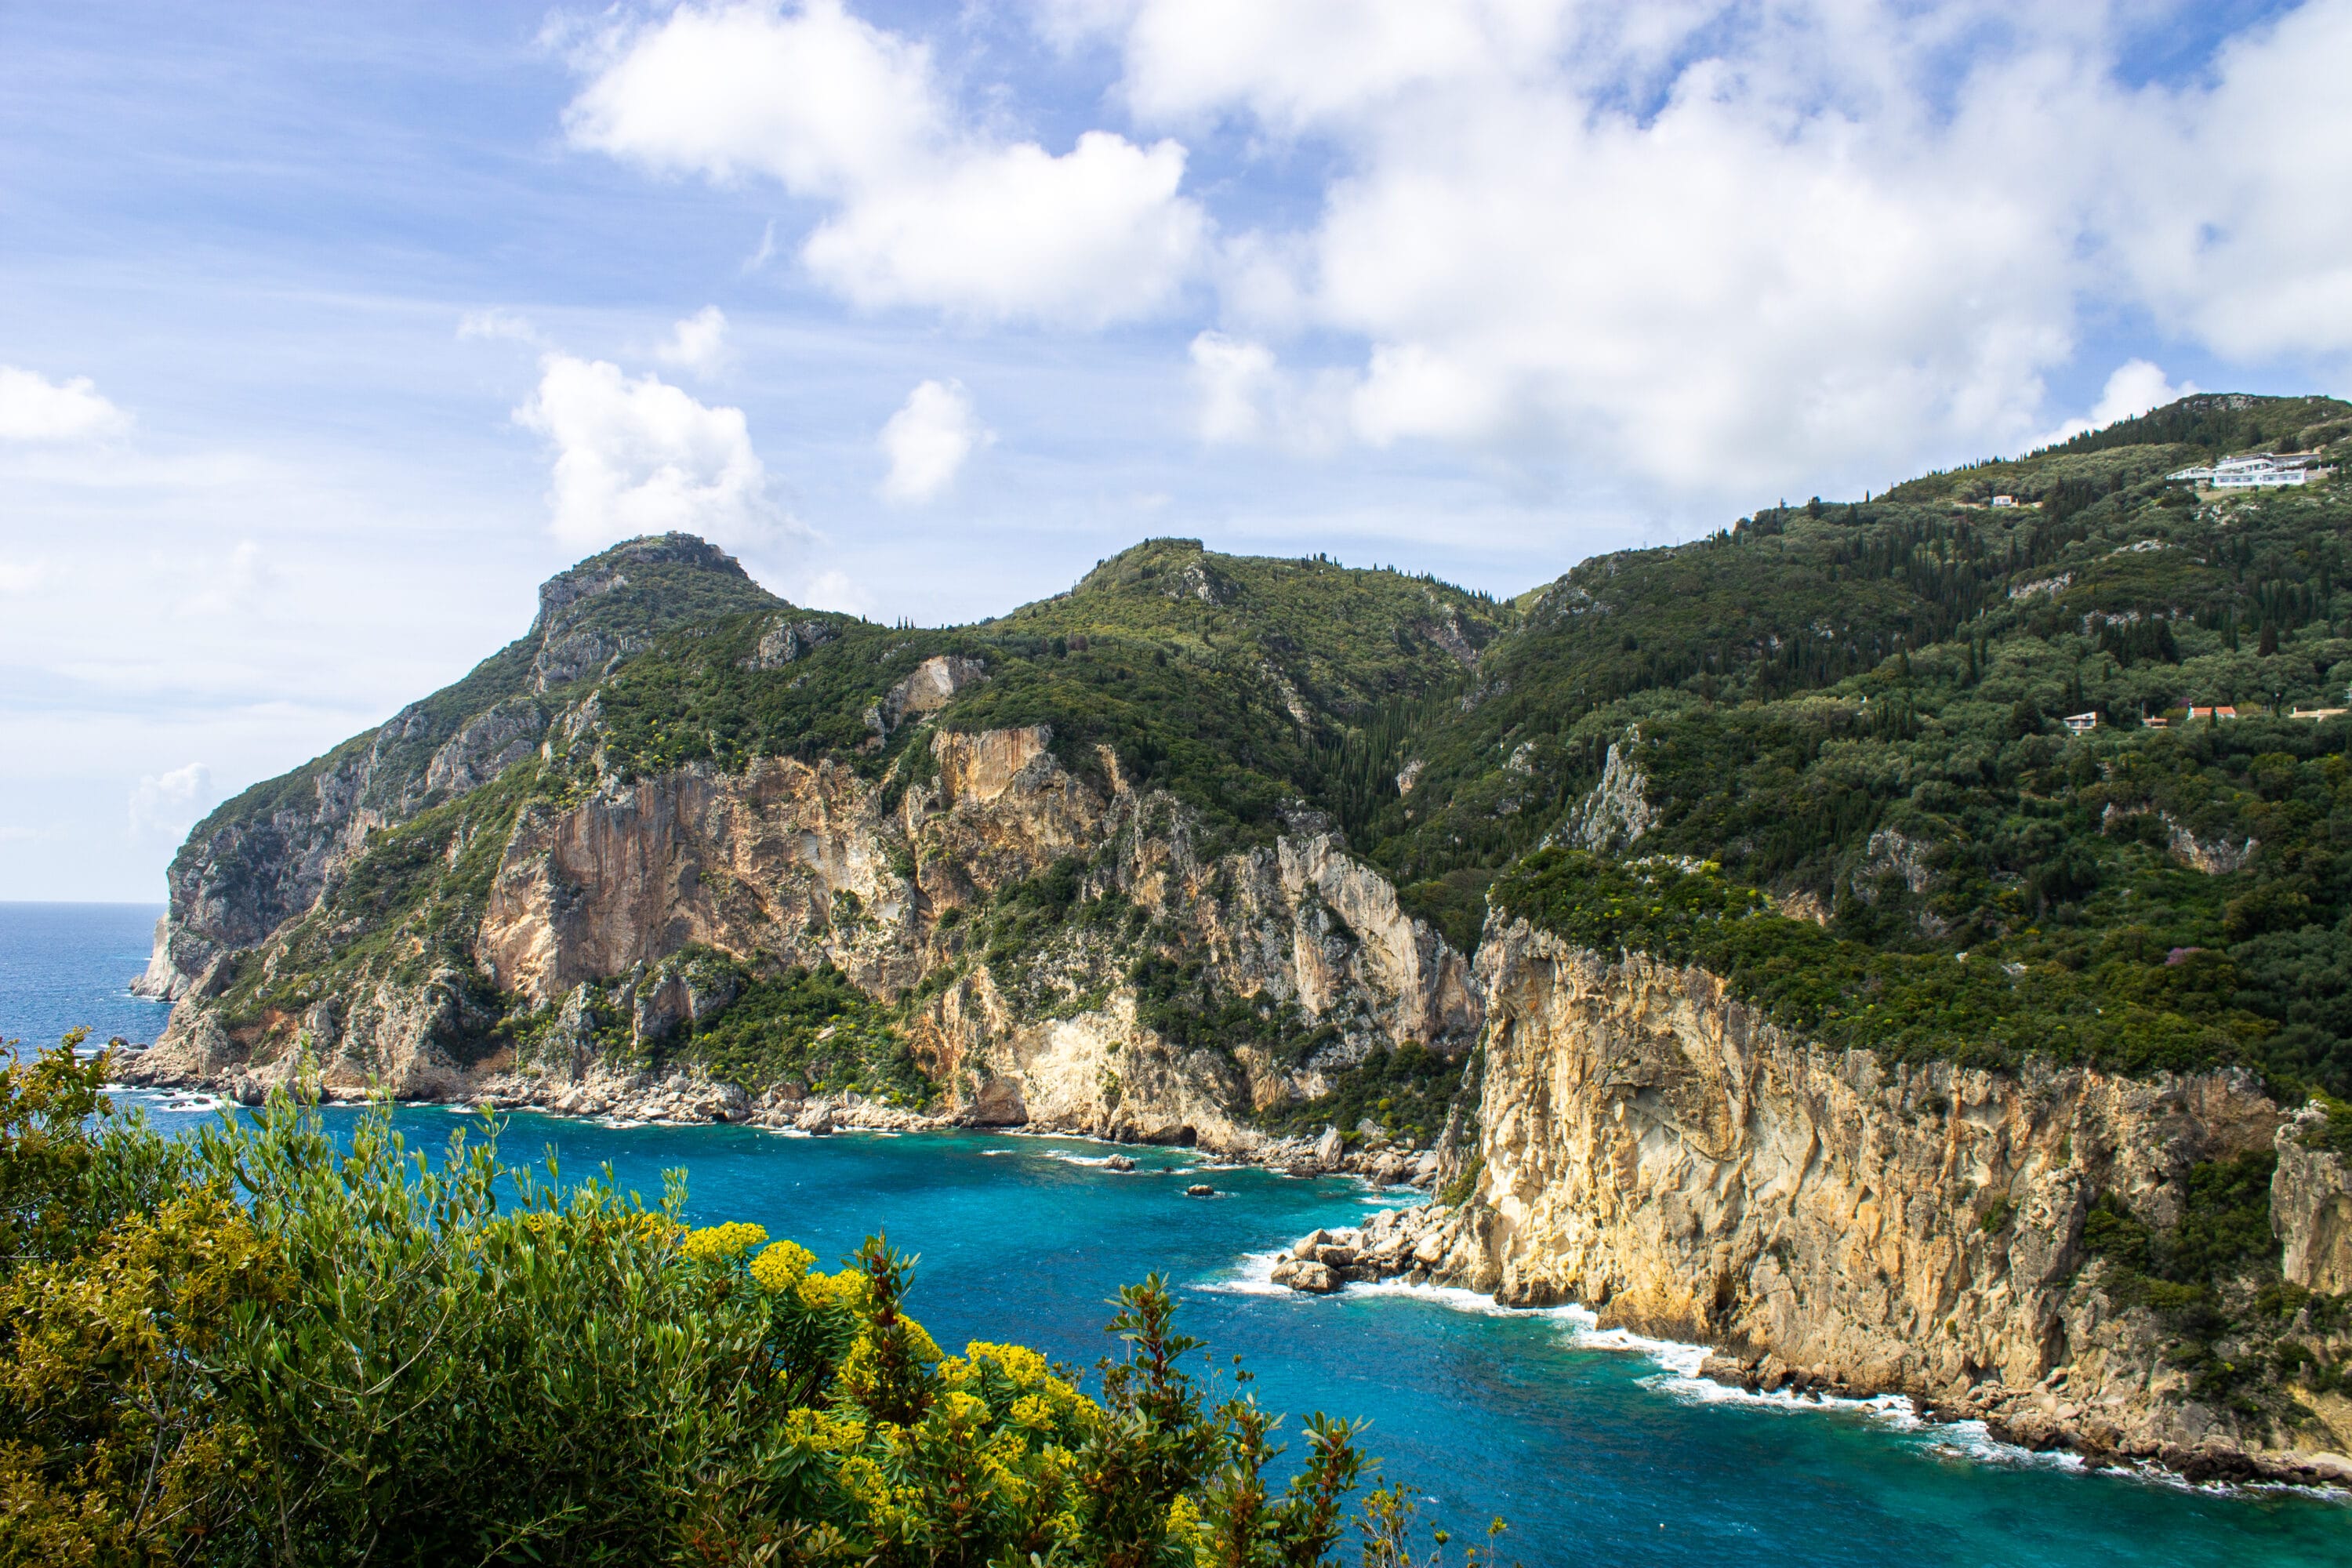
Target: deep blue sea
x=1594, y=1448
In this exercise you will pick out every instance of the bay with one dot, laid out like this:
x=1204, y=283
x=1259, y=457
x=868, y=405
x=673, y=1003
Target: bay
x=1593, y=1447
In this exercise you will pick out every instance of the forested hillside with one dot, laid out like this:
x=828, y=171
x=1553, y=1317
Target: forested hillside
x=1853, y=725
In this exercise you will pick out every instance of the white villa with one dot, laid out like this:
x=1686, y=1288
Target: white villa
x=2253, y=470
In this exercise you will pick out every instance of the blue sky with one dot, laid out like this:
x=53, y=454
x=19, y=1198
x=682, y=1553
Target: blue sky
x=326, y=333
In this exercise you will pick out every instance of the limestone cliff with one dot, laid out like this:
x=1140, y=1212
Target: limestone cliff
x=812, y=863
x=1655, y=1149
x=264, y=857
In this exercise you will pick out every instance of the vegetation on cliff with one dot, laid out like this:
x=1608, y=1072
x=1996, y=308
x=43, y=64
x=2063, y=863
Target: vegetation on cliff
x=1860, y=720
x=269, y=1346
x=2251, y=1343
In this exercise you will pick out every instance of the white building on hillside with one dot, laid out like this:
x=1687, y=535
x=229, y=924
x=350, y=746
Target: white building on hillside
x=2254, y=470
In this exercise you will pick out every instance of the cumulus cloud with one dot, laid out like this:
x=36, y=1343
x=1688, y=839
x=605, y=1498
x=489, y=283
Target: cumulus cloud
x=921, y=210
x=1819, y=239
x=928, y=440
x=165, y=806
x=35, y=408
x=640, y=456
x=697, y=343
x=2135, y=387
x=2228, y=211
x=1247, y=397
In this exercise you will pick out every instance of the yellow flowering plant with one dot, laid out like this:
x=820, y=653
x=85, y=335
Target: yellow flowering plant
x=268, y=1343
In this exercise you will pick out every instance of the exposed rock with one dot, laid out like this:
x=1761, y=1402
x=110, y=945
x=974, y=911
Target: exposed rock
x=1616, y=812
x=2311, y=1209
x=1659, y=1152
x=998, y=1104
x=1329, y=1147
x=932, y=686
x=1118, y=1163
x=2215, y=857
x=1200, y=1190
x=786, y=640
x=1313, y=1279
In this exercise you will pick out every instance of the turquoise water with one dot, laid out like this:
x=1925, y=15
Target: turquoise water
x=1595, y=1453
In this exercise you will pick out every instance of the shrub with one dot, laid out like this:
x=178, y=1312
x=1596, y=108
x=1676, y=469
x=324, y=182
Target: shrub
x=292, y=1350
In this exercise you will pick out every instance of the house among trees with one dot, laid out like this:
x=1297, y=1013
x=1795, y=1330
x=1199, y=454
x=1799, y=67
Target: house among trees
x=2082, y=723
x=2226, y=710
x=2253, y=470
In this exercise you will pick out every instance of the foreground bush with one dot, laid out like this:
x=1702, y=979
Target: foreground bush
x=264, y=1346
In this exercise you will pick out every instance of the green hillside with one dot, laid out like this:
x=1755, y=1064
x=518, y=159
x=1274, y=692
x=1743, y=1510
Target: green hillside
x=1841, y=756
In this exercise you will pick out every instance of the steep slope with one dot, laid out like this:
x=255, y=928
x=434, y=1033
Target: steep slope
x=263, y=858
x=1087, y=828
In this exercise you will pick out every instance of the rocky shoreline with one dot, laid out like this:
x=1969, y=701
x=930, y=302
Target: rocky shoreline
x=687, y=1098
x=1436, y=1244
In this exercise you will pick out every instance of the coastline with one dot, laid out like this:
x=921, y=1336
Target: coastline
x=1423, y=1251
x=2009, y=1423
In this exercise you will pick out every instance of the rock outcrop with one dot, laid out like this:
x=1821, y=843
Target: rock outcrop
x=1655, y=1149
x=814, y=863
x=264, y=857
x=2311, y=1208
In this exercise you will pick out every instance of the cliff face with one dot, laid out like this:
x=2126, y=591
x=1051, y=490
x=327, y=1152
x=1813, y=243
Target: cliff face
x=2311, y=1209
x=264, y=857
x=1655, y=1149
x=808, y=862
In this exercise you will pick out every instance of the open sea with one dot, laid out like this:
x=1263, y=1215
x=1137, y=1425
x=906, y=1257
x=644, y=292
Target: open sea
x=1597, y=1448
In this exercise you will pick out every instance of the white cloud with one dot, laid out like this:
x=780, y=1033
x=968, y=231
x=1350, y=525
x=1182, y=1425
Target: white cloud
x=2230, y=214
x=923, y=211
x=1247, y=398
x=21, y=576
x=928, y=441
x=33, y=408
x=766, y=250
x=832, y=590
x=2135, y=387
x=1827, y=241
x=643, y=457
x=498, y=325
x=697, y=343
x=165, y=806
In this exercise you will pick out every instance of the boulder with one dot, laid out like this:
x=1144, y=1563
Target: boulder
x=998, y=1104
x=1200, y=1190
x=1389, y=1170
x=1329, y=1147
x=1118, y=1163
x=818, y=1120
x=1305, y=1245
x=1313, y=1279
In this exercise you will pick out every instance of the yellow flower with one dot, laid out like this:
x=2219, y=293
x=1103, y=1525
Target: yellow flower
x=723, y=1243
x=781, y=1266
x=1024, y=1366
x=846, y=1288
